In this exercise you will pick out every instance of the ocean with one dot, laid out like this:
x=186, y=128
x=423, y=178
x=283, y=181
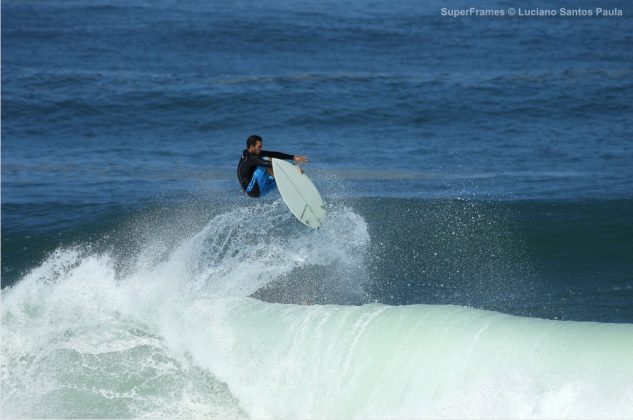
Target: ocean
x=477, y=256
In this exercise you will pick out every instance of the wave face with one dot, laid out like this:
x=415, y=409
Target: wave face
x=408, y=361
x=169, y=330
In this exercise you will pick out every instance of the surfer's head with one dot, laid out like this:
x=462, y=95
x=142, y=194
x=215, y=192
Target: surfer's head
x=254, y=144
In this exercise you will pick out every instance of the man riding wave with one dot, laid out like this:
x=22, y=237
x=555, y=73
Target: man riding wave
x=254, y=172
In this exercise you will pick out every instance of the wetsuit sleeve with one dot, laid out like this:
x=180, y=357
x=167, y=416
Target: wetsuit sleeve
x=257, y=161
x=277, y=155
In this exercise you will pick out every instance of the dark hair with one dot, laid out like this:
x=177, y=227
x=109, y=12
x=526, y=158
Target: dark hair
x=252, y=140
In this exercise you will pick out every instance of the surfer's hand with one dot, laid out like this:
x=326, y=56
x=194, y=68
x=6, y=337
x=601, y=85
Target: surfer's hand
x=301, y=159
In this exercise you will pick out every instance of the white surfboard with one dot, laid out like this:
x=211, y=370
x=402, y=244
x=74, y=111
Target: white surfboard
x=299, y=194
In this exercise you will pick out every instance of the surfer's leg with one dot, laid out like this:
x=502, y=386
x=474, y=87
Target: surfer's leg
x=265, y=182
x=253, y=187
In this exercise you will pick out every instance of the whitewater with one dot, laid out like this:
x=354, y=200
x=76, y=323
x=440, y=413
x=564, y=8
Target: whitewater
x=171, y=328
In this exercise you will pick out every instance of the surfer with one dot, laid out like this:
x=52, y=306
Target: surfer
x=256, y=173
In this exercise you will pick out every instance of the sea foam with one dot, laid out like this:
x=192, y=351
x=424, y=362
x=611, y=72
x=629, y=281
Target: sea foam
x=86, y=335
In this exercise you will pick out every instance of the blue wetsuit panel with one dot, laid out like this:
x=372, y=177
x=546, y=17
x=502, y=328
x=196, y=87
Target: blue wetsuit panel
x=265, y=182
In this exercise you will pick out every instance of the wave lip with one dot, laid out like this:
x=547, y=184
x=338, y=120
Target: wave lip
x=410, y=361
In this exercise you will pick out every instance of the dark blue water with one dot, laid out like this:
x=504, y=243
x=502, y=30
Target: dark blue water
x=521, y=126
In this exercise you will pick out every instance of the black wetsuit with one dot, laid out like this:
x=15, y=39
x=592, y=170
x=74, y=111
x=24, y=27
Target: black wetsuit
x=249, y=163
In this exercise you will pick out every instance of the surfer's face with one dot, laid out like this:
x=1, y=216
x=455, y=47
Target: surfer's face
x=257, y=149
